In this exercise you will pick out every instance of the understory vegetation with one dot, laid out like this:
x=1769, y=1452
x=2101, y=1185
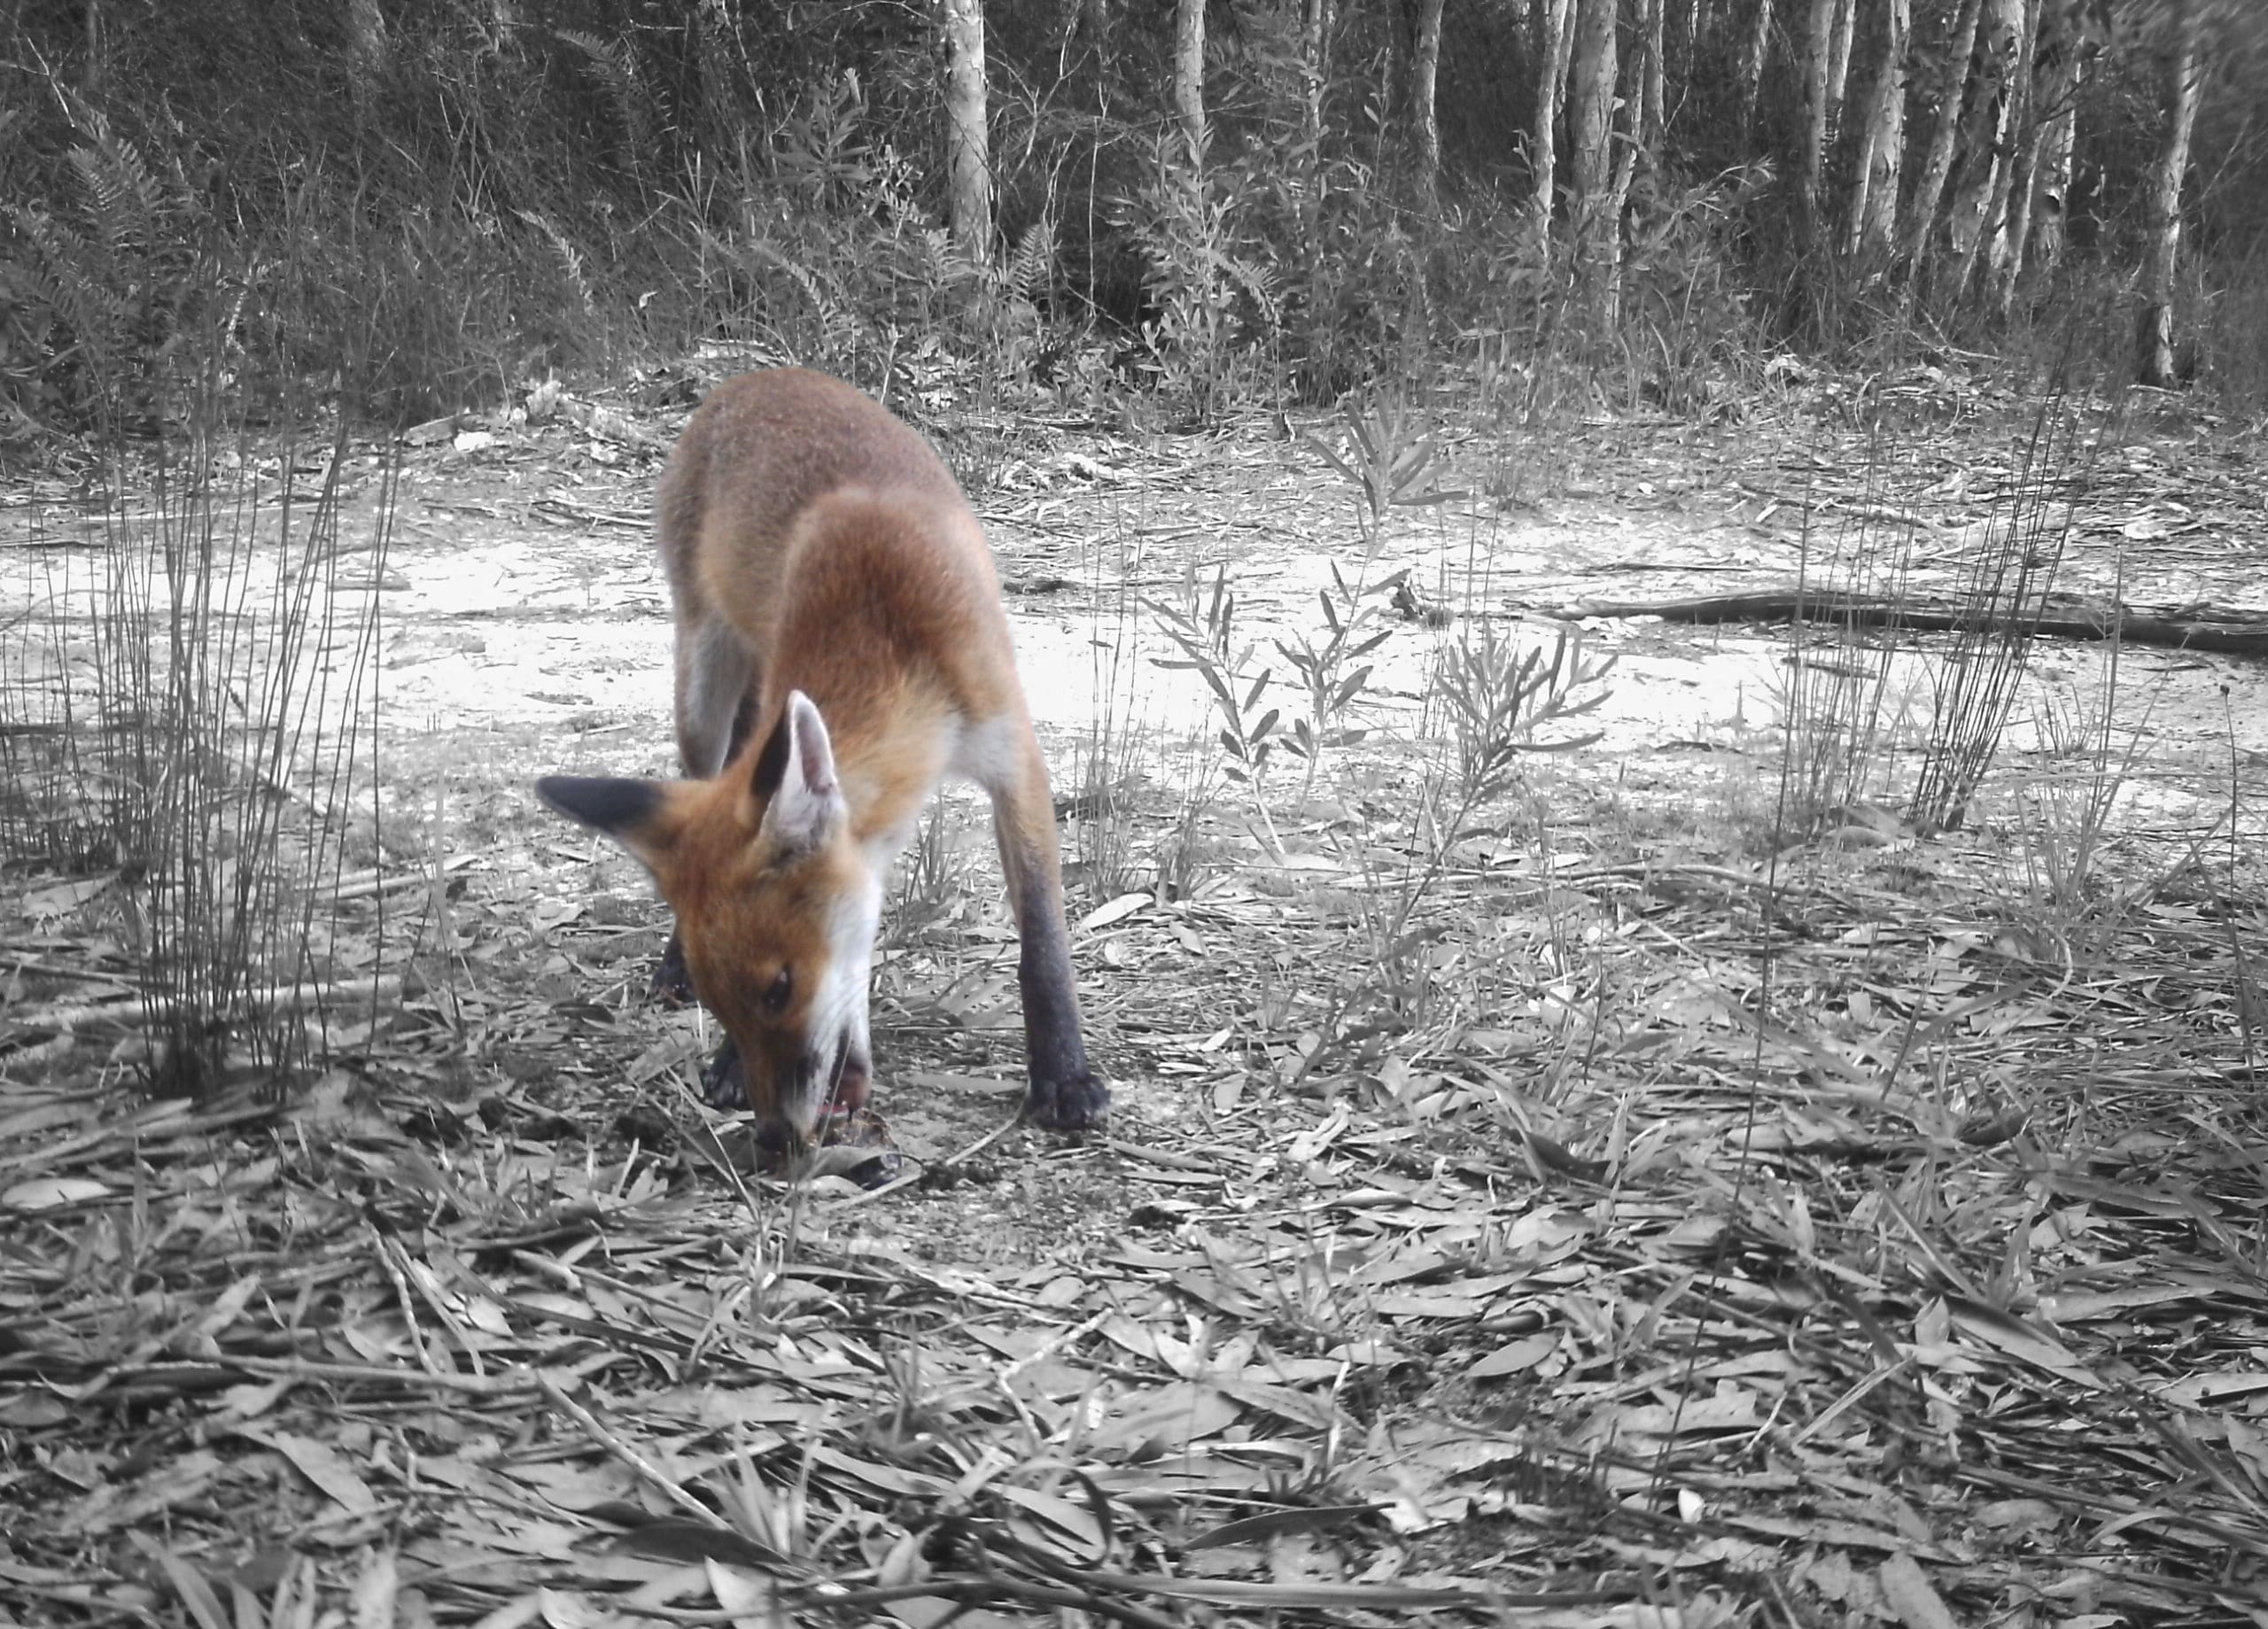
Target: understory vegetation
x=407, y=211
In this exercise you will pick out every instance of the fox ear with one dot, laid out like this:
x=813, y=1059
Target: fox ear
x=796, y=771
x=634, y=813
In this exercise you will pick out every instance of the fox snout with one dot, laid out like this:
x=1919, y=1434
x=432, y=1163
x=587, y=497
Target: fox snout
x=797, y=1087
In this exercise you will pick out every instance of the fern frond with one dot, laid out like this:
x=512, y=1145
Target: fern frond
x=119, y=198
x=1032, y=270
x=615, y=67
x=1259, y=286
x=760, y=250
x=67, y=268
x=571, y=259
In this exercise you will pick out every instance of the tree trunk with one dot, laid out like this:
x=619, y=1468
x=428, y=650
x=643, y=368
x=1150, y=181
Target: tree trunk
x=1985, y=143
x=1189, y=77
x=1393, y=69
x=2052, y=214
x=2006, y=226
x=366, y=37
x=1591, y=65
x=1937, y=163
x=1425, y=73
x=1818, y=51
x=1681, y=34
x=1751, y=63
x=1591, y=74
x=92, y=81
x=1872, y=219
x=1306, y=162
x=1652, y=113
x=1315, y=46
x=2060, y=65
x=968, y=172
x=2154, y=333
x=1558, y=21
x=1605, y=258
x=1838, y=60
x=367, y=49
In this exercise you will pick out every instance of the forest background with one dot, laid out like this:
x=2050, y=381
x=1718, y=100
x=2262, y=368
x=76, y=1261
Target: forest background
x=422, y=206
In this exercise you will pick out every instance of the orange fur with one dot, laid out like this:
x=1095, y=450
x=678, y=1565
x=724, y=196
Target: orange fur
x=840, y=647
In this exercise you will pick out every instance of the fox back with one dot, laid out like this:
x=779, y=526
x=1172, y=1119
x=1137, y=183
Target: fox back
x=840, y=646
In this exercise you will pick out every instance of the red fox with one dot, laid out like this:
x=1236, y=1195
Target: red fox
x=840, y=647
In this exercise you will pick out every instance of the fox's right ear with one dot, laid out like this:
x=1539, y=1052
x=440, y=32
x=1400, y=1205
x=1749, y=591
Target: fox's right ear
x=634, y=813
x=794, y=776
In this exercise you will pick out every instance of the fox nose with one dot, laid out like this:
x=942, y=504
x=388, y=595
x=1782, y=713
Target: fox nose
x=802, y=1100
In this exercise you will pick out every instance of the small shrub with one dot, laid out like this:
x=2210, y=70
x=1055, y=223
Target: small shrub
x=1211, y=296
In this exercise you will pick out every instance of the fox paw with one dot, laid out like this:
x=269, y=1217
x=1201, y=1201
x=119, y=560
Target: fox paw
x=1079, y=1103
x=723, y=1086
x=672, y=984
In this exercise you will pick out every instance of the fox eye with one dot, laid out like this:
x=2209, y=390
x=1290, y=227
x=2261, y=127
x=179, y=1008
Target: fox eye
x=777, y=992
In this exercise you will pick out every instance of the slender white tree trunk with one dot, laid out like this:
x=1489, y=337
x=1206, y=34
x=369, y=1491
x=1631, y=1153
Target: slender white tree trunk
x=1424, y=75
x=968, y=158
x=1653, y=98
x=1818, y=56
x=2012, y=187
x=1557, y=20
x=1629, y=152
x=2061, y=64
x=1872, y=217
x=1839, y=58
x=1751, y=62
x=1315, y=50
x=1937, y=162
x=1189, y=76
x=1985, y=143
x=2183, y=73
x=1592, y=71
x=1591, y=66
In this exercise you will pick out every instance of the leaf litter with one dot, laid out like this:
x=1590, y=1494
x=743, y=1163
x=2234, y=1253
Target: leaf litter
x=1810, y=1237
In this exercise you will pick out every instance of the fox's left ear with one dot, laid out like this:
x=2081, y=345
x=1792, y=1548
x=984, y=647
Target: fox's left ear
x=635, y=813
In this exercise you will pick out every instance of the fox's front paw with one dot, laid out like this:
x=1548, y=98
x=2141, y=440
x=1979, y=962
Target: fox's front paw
x=723, y=1086
x=1079, y=1103
x=672, y=984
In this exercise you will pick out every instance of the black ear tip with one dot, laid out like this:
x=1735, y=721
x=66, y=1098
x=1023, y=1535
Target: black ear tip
x=559, y=792
x=603, y=803
x=771, y=759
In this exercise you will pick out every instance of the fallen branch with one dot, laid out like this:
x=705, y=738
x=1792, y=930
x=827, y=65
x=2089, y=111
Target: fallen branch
x=136, y=1011
x=2232, y=633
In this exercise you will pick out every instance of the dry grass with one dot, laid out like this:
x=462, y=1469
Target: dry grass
x=1531, y=1189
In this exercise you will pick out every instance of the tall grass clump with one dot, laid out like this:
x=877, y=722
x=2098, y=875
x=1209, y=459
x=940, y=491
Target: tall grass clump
x=187, y=708
x=1835, y=695
x=2006, y=578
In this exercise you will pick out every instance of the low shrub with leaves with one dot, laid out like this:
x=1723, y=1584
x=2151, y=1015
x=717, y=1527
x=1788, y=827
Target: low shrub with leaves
x=1214, y=298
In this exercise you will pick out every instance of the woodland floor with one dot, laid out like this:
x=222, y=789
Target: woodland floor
x=1646, y=1216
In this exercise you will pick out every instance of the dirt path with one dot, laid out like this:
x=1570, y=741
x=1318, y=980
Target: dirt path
x=528, y=599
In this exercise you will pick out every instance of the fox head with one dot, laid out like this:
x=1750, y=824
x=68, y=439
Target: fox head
x=776, y=907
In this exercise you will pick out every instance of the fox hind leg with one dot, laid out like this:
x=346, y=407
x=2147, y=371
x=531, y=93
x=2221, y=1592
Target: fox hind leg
x=716, y=693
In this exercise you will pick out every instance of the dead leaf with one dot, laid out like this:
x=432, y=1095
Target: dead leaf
x=1912, y=1596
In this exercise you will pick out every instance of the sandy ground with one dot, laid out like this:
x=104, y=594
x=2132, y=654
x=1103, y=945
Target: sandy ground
x=525, y=595
x=524, y=623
